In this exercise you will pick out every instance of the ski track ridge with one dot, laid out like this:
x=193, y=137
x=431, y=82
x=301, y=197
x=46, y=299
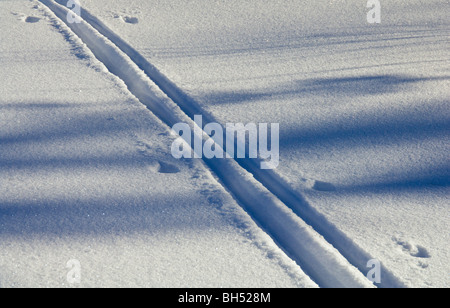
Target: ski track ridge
x=323, y=252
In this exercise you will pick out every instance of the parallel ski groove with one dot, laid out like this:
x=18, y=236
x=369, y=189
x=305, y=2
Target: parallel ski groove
x=316, y=257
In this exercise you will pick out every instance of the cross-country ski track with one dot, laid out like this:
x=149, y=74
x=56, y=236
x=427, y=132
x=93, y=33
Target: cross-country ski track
x=323, y=252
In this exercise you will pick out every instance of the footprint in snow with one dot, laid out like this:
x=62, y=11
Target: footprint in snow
x=32, y=19
x=323, y=186
x=127, y=19
x=318, y=185
x=412, y=249
x=167, y=168
x=163, y=167
x=27, y=19
x=131, y=20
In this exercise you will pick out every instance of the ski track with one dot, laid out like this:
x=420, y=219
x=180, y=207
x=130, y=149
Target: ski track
x=323, y=252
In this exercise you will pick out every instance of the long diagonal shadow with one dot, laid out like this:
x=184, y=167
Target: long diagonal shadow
x=349, y=86
x=78, y=122
x=405, y=125
x=100, y=216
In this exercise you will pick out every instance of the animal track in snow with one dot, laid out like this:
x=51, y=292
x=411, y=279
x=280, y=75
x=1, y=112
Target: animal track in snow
x=32, y=19
x=413, y=249
x=323, y=186
x=126, y=18
x=158, y=166
x=167, y=168
x=128, y=15
x=25, y=18
x=155, y=165
x=319, y=185
x=130, y=20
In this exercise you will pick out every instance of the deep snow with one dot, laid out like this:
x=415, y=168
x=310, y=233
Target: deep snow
x=87, y=175
x=86, y=170
x=363, y=109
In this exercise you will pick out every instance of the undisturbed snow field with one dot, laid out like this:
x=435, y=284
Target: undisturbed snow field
x=86, y=171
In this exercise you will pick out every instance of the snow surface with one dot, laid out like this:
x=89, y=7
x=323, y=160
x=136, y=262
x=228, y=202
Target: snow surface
x=86, y=174
x=86, y=171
